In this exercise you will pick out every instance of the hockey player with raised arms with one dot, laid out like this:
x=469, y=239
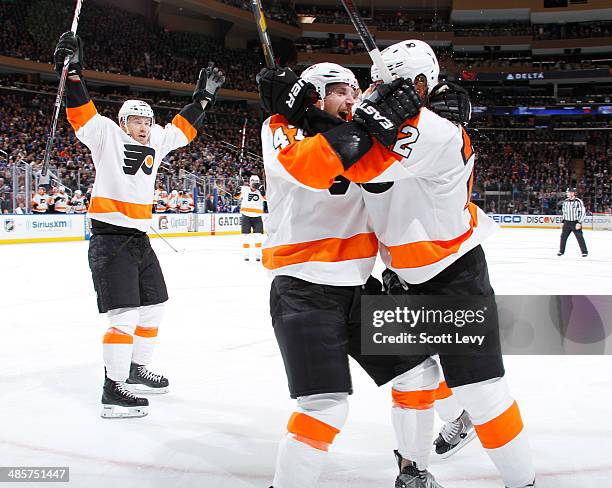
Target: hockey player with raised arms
x=321, y=250
x=127, y=277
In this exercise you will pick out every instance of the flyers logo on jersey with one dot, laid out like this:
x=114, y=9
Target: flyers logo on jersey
x=137, y=157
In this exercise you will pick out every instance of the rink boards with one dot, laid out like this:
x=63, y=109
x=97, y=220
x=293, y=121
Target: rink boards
x=55, y=228
x=16, y=229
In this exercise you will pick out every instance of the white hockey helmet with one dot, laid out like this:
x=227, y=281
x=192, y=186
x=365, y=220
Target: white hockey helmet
x=323, y=74
x=78, y=193
x=409, y=59
x=135, y=107
x=61, y=188
x=254, y=179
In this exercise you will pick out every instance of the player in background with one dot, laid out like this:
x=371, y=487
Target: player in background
x=78, y=202
x=127, y=277
x=430, y=236
x=185, y=202
x=161, y=203
x=321, y=251
x=251, y=209
x=573, y=216
x=40, y=201
x=60, y=200
x=173, y=202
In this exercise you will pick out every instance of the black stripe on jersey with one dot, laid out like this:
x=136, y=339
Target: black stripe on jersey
x=194, y=114
x=76, y=93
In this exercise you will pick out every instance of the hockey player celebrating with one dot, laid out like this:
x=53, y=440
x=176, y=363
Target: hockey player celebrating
x=60, y=201
x=429, y=180
x=251, y=210
x=78, y=202
x=126, y=274
x=321, y=250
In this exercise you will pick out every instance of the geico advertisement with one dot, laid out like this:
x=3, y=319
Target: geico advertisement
x=41, y=226
x=181, y=223
x=548, y=221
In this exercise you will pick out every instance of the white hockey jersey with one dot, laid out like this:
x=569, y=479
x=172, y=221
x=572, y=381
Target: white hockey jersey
x=125, y=169
x=251, y=202
x=418, y=198
x=185, y=204
x=319, y=236
x=40, y=203
x=78, y=205
x=60, y=202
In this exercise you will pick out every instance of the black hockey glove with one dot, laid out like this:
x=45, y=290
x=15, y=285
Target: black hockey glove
x=452, y=102
x=70, y=45
x=372, y=287
x=387, y=108
x=209, y=82
x=283, y=92
x=316, y=121
x=393, y=284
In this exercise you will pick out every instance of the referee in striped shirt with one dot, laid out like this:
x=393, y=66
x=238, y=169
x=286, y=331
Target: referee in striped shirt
x=573, y=215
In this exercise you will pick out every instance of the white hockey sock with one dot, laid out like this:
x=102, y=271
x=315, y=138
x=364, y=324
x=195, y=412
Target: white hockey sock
x=447, y=406
x=298, y=465
x=145, y=335
x=499, y=426
x=145, y=339
x=117, y=352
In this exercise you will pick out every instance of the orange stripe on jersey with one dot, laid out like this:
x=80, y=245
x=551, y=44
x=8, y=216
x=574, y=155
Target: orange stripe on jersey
x=416, y=400
x=443, y=391
x=378, y=159
x=329, y=250
x=186, y=128
x=311, y=161
x=131, y=210
x=79, y=116
x=424, y=253
x=116, y=336
x=467, y=150
x=502, y=429
x=255, y=210
x=148, y=332
x=304, y=425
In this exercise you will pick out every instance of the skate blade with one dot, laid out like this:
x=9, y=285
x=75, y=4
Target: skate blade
x=146, y=390
x=119, y=412
x=464, y=442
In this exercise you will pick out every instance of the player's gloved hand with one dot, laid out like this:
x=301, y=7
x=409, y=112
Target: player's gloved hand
x=316, y=121
x=283, y=92
x=393, y=284
x=372, y=287
x=209, y=82
x=69, y=45
x=387, y=108
x=452, y=102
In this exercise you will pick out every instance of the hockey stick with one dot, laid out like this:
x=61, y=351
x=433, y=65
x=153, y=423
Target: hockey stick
x=60, y=95
x=262, y=29
x=163, y=238
x=367, y=39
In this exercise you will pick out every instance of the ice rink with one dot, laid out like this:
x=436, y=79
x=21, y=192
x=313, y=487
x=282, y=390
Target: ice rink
x=228, y=406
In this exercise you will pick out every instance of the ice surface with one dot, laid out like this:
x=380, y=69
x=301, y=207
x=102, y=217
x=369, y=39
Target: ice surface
x=220, y=424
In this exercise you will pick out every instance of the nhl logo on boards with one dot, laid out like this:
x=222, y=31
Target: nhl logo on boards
x=9, y=225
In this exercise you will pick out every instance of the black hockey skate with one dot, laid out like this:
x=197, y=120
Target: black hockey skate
x=530, y=485
x=454, y=436
x=142, y=381
x=119, y=402
x=412, y=477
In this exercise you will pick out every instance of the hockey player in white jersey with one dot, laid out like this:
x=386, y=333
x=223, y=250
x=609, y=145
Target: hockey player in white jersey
x=78, y=202
x=40, y=201
x=251, y=220
x=127, y=277
x=60, y=200
x=430, y=235
x=321, y=249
